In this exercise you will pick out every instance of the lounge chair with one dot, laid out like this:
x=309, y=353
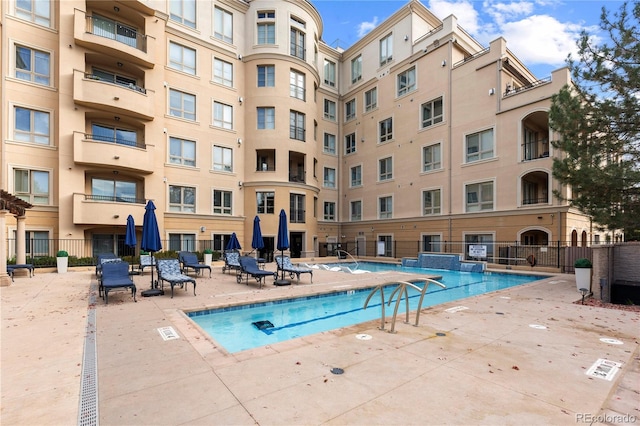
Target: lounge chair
x=146, y=261
x=284, y=264
x=231, y=261
x=115, y=275
x=100, y=260
x=169, y=271
x=190, y=260
x=249, y=267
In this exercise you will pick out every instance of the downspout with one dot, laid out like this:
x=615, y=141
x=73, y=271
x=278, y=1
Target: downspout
x=449, y=136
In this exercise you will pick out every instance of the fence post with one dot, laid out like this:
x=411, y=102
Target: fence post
x=558, y=255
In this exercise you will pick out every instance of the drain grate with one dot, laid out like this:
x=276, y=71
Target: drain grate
x=88, y=410
x=337, y=370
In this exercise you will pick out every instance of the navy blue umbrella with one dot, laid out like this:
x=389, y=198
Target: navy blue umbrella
x=233, y=243
x=256, y=241
x=130, y=236
x=150, y=233
x=283, y=242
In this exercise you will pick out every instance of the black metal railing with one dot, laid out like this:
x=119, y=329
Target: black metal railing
x=115, y=199
x=107, y=28
x=117, y=141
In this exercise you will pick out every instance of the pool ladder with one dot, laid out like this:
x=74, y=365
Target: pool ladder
x=399, y=291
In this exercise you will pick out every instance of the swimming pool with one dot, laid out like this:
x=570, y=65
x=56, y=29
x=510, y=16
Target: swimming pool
x=243, y=327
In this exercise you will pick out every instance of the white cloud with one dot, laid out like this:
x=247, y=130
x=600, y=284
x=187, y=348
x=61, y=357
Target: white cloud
x=463, y=10
x=502, y=12
x=365, y=27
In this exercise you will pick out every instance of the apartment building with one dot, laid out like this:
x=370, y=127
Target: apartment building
x=221, y=110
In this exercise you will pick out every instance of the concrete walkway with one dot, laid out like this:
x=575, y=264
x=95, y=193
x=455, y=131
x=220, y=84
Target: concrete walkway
x=490, y=367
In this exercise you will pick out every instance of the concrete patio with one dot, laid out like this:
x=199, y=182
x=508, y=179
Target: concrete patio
x=490, y=367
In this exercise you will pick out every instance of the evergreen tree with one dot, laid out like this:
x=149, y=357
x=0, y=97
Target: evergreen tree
x=598, y=122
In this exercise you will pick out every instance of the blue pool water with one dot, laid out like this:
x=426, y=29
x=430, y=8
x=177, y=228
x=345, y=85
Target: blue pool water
x=233, y=327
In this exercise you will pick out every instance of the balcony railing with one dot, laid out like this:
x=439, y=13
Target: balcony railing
x=535, y=149
x=117, y=31
x=115, y=199
x=117, y=141
x=539, y=200
x=296, y=177
x=119, y=83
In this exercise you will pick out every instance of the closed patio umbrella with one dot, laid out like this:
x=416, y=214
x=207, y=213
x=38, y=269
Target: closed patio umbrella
x=130, y=239
x=256, y=241
x=150, y=240
x=283, y=242
x=233, y=243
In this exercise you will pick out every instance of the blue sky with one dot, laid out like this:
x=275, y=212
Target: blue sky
x=541, y=33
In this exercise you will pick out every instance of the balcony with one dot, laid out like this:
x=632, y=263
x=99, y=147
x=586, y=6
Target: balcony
x=87, y=151
x=114, y=39
x=101, y=211
x=535, y=149
x=128, y=100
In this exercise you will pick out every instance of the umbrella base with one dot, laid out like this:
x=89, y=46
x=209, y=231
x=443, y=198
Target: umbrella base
x=282, y=282
x=152, y=292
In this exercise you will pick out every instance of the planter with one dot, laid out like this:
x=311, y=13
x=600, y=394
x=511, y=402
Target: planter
x=208, y=257
x=62, y=263
x=583, y=278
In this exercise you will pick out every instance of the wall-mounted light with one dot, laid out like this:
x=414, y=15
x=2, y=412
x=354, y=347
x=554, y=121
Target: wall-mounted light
x=119, y=64
x=492, y=91
x=240, y=184
x=202, y=229
x=115, y=216
x=116, y=9
x=239, y=141
x=444, y=63
x=116, y=157
x=240, y=99
x=115, y=98
x=361, y=139
x=239, y=57
x=406, y=38
x=164, y=130
x=116, y=118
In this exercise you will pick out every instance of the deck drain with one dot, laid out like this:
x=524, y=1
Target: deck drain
x=611, y=341
x=336, y=370
x=168, y=333
x=363, y=336
x=441, y=334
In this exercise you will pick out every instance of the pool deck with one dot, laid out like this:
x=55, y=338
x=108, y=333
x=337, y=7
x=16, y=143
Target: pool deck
x=481, y=365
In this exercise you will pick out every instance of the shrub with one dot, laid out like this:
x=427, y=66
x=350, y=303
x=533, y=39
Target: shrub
x=207, y=251
x=62, y=253
x=582, y=263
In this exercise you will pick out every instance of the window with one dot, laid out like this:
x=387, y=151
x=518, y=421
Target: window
x=432, y=112
x=385, y=169
x=329, y=211
x=266, y=75
x=33, y=65
x=222, y=202
x=266, y=27
x=385, y=205
x=182, y=151
x=386, y=130
x=182, y=199
x=387, y=245
x=40, y=243
x=182, y=104
x=480, y=146
x=371, y=99
x=329, y=177
x=407, y=81
x=265, y=202
x=386, y=49
x=350, y=143
x=113, y=190
x=36, y=11
x=356, y=176
x=431, y=158
x=266, y=118
x=297, y=43
x=296, y=125
x=296, y=85
x=182, y=58
x=222, y=115
x=431, y=202
x=329, y=110
x=223, y=72
x=31, y=126
x=222, y=159
x=356, y=69
x=31, y=186
x=355, y=211
x=113, y=78
x=223, y=25
x=329, y=73
x=183, y=12
x=431, y=243
x=329, y=145
x=120, y=136
x=296, y=208
x=479, y=196
x=182, y=242
x=350, y=110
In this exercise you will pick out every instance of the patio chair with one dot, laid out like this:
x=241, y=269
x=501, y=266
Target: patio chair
x=249, y=267
x=231, y=261
x=190, y=260
x=169, y=271
x=284, y=264
x=146, y=261
x=100, y=260
x=115, y=275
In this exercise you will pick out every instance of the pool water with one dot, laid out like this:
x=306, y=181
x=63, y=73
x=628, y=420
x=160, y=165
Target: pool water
x=277, y=321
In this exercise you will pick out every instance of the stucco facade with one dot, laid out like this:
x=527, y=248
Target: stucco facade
x=219, y=111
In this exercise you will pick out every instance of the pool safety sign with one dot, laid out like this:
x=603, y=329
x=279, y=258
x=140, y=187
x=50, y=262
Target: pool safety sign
x=604, y=369
x=476, y=250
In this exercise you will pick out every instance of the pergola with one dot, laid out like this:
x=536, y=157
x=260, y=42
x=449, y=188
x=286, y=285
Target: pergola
x=9, y=203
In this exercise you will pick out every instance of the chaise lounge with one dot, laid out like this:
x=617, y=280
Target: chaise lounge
x=284, y=264
x=115, y=275
x=231, y=261
x=190, y=260
x=249, y=267
x=169, y=271
x=146, y=261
